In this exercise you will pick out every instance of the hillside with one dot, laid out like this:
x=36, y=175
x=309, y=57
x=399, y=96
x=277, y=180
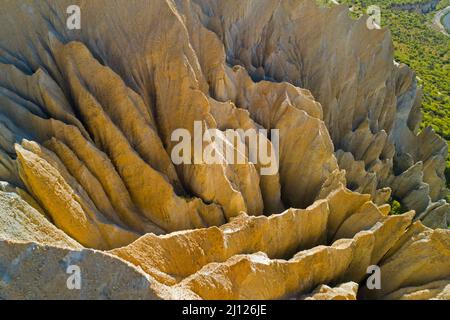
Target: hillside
x=211, y=149
x=419, y=45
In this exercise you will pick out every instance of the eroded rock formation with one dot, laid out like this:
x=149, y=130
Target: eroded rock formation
x=86, y=118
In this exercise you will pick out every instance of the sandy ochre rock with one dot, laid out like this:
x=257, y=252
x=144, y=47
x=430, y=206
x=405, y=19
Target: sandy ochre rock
x=87, y=176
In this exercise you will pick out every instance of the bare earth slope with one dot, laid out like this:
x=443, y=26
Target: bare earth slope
x=86, y=118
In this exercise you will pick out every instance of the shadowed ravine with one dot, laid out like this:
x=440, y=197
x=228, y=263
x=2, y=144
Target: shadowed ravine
x=86, y=118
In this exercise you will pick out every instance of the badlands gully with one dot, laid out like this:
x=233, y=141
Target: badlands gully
x=86, y=119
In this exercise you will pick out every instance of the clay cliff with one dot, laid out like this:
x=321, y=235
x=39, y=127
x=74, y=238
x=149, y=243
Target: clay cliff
x=86, y=120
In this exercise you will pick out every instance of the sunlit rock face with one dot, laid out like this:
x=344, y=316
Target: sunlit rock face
x=86, y=123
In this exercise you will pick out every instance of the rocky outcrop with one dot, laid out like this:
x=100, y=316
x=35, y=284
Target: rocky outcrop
x=345, y=291
x=370, y=111
x=231, y=262
x=21, y=222
x=421, y=254
x=86, y=124
x=26, y=278
x=251, y=257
